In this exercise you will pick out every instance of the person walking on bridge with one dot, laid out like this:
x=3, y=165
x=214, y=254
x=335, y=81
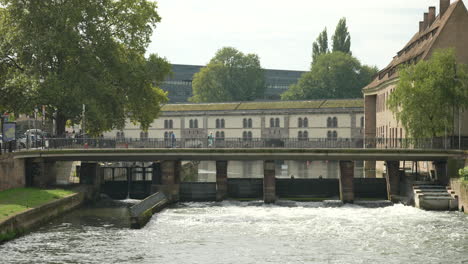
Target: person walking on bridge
x=173, y=140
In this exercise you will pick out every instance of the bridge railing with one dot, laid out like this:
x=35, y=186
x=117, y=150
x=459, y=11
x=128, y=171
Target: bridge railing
x=380, y=143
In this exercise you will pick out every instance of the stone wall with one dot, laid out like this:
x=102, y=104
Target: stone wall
x=12, y=172
x=461, y=189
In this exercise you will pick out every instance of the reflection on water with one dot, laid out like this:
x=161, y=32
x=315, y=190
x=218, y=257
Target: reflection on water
x=284, y=169
x=234, y=232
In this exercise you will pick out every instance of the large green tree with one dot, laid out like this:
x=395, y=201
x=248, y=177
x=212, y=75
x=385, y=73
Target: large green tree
x=333, y=75
x=341, y=38
x=229, y=76
x=63, y=54
x=429, y=94
x=320, y=46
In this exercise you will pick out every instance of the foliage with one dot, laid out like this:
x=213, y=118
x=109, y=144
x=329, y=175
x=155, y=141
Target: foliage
x=229, y=76
x=429, y=94
x=342, y=39
x=463, y=173
x=333, y=75
x=63, y=54
x=320, y=46
x=20, y=199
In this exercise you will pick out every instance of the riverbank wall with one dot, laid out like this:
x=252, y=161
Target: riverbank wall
x=21, y=223
x=461, y=190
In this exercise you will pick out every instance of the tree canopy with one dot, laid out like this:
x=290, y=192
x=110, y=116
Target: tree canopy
x=229, y=76
x=320, y=46
x=341, y=38
x=429, y=94
x=63, y=54
x=333, y=75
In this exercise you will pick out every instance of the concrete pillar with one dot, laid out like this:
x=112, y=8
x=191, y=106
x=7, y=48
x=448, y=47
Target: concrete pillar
x=370, y=128
x=445, y=169
x=221, y=179
x=269, y=181
x=170, y=179
x=347, y=181
x=393, y=179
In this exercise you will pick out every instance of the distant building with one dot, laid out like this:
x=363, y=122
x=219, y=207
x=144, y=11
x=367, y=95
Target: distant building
x=179, y=85
x=449, y=29
x=332, y=119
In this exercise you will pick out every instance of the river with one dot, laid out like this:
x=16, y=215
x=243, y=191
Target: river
x=247, y=232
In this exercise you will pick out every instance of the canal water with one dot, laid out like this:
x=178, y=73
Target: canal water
x=248, y=232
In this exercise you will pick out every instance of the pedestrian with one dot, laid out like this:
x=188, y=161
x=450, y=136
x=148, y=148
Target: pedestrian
x=210, y=139
x=173, y=140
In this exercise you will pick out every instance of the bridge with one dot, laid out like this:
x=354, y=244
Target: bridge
x=167, y=179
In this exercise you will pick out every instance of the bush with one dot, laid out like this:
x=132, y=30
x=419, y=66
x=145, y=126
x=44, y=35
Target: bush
x=463, y=173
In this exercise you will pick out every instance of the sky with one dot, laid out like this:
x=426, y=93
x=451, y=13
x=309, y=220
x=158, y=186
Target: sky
x=281, y=33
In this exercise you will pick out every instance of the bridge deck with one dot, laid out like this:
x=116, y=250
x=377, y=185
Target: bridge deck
x=241, y=154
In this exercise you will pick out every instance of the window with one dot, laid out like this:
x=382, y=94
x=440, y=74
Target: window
x=335, y=122
x=329, y=134
x=222, y=123
x=305, y=135
x=220, y=135
x=195, y=123
x=299, y=134
x=166, y=135
x=247, y=135
x=305, y=122
x=249, y=123
x=272, y=122
x=335, y=135
x=329, y=122
x=277, y=122
x=244, y=123
x=218, y=125
x=299, y=122
x=362, y=121
x=217, y=134
x=191, y=124
x=170, y=123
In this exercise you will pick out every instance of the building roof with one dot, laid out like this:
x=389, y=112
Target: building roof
x=418, y=48
x=271, y=105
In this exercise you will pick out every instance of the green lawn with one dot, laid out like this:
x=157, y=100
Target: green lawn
x=20, y=199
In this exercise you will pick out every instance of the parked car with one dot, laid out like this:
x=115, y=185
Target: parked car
x=32, y=138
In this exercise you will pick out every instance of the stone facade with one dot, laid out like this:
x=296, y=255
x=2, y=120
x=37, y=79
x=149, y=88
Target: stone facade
x=285, y=119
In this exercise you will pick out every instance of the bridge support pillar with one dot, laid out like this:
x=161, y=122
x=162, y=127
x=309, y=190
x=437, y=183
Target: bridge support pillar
x=221, y=179
x=393, y=179
x=40, y=173
x=347, y=181
x=269, y=181
x=446, y=169
x=170, y=170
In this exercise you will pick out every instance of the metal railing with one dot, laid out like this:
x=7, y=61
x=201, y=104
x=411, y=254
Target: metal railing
x=306, y=143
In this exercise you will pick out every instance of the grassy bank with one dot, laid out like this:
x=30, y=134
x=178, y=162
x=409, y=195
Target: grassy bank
x=21, y=199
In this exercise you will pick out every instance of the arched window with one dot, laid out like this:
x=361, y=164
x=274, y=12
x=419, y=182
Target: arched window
x=329, y=134
x=305, y=122
x=244, y=123
x=191, y=123
x=166, y=123
x=217, y=123
x=195, y=123
x=277, y=122
x=272, y=122
x=305, y=135
x=362, y=121
x=299, y=134
x=244, y=135
x=222, y=135
x=222, y=123
x=299, y=122
x=335, y=122
x=329, y=122
x=249, y=123
x=335, y=135
x=249, y=135
x=217, y=134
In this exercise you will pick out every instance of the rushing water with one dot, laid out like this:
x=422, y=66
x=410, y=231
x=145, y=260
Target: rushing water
x=234, y=232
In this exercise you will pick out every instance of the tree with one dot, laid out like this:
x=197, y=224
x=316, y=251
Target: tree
x=229, y=76
x=63, y=54
x=333, y=75
x=342, y=39
x=429, y=94
x=320, y=46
